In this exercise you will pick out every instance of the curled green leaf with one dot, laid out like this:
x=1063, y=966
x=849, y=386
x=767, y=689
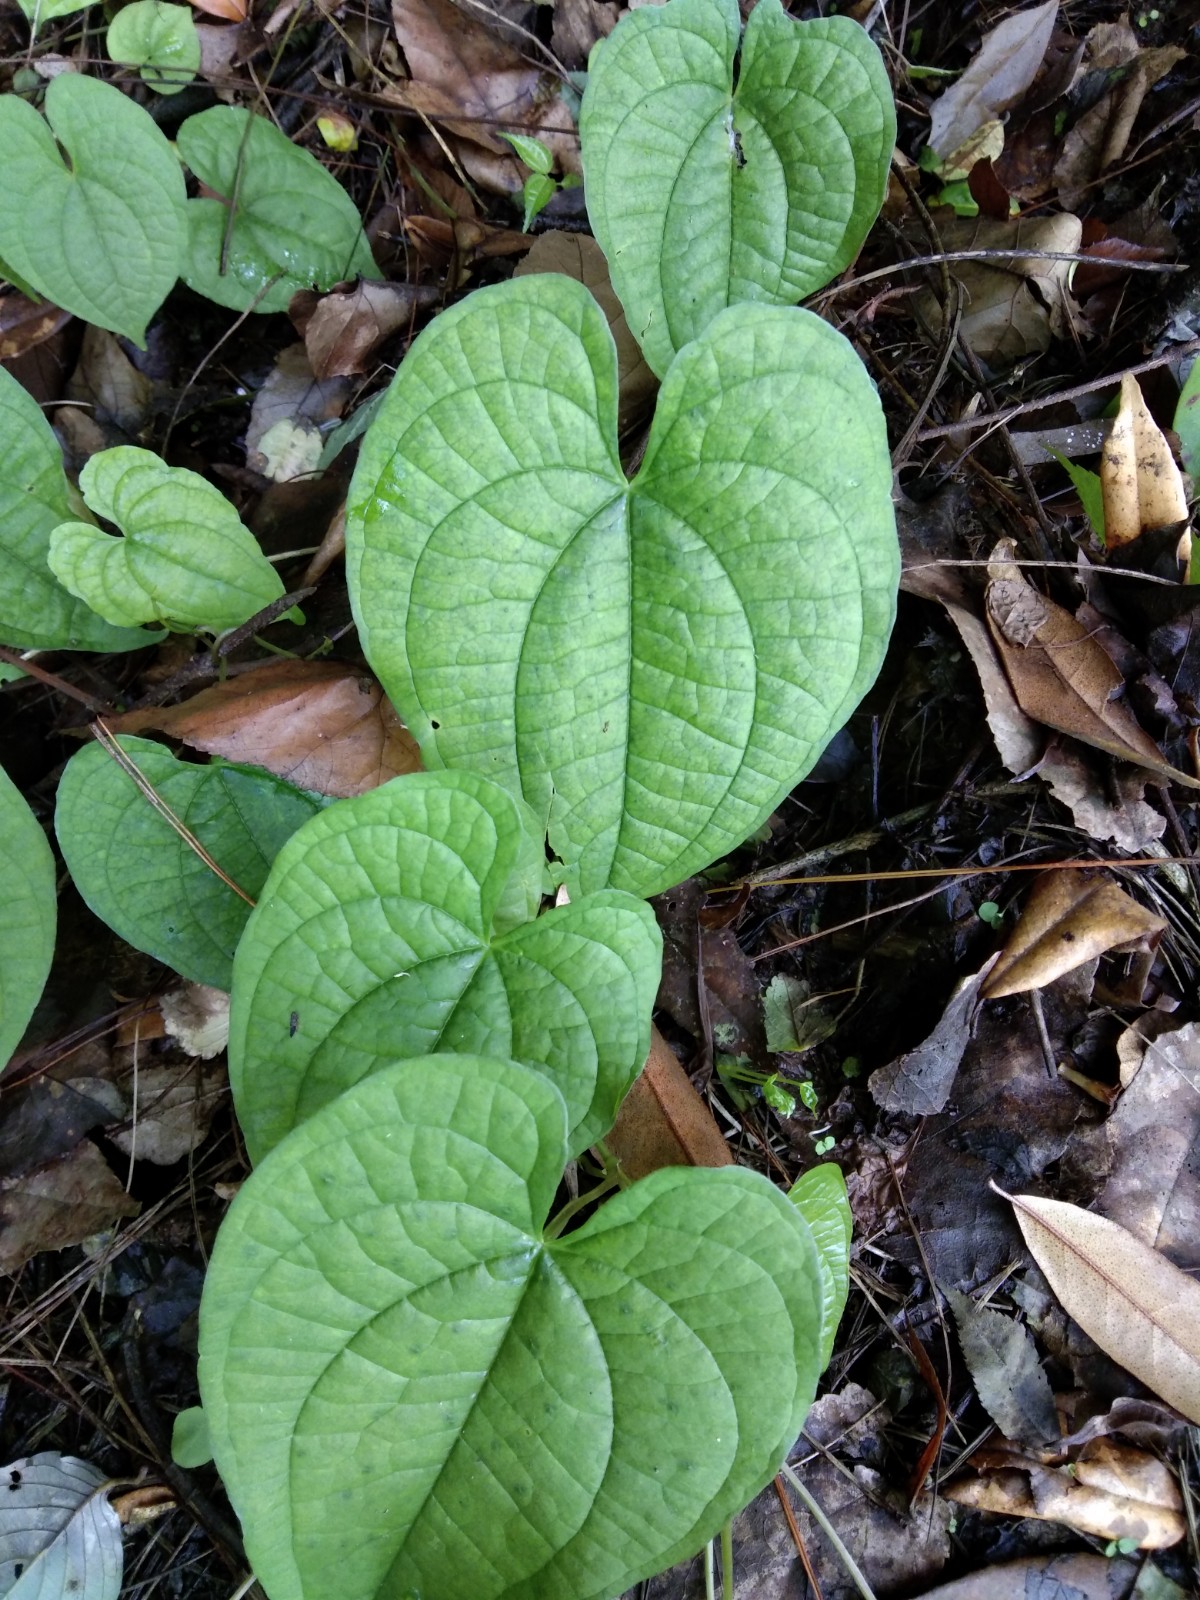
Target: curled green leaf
x=184, y=556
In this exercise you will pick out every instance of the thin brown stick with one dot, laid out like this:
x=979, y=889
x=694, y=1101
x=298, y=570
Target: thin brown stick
x=794, y=1530
x=108, y=742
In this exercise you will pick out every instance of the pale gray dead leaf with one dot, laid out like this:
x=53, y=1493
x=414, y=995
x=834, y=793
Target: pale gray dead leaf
x=1053, y=1577
x=1153, y=1186
x=292, y=393
x=1004, y=67
x=1004, y=1366
x=60, y=1539
x=918, y=1083
x=172, y=1112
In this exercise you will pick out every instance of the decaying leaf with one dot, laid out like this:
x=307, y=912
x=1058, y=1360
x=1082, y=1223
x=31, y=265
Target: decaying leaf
x=292, y=393
x=477, y=77
x=793, y=1018
x=321, y=725
x=663, y=1122
x=60, y=1204
x=918, y=1083
x=342, y=329
x=1069, y=918
x=1153, y=1185
x=1099, y=138
x=59, y=1535
x=1004, y=1366
x=110, y=388
x=1111, y=1491
x=25, y=323
x=171, y=1109
x=1142, y=486
x=1014, y=307
x=1137, y=1306
x=999, y=74
x=578, y=256
x=197, y=1016
x=1060, y=674
x=1056, y=1577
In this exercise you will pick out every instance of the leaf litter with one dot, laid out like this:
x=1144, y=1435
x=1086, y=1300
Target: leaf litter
x=1069, y=764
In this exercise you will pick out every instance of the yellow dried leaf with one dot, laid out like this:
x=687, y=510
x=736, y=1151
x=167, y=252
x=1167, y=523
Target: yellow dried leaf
x=1142, y=486
x=1070, y=918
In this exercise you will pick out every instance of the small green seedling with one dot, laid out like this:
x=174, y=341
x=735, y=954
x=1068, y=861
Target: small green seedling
x=988, y=911
x=160, y=39
x=823, y=1144
x=738, y=1072
x=539, y=187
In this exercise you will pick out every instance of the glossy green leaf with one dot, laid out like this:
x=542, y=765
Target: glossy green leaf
x=703, y=195
x=532, y=152
x=30, y=914
x=1186, y=422
x=140, y=876
x=409, y=1386
x=401, y=923
x=102, y=237
x=161, y=39
x=191, y=1446
x=184, y=556
x=36, y=612
x=295, y=227
x=820, y=1196
x=654, y=664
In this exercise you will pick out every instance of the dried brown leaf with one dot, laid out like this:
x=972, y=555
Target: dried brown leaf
x=112, y=390
x=172, y=1112
x=476, y=79
x=292, y=393
x=1139, y=1308
x=1061, y=675
x=25, y=323
x=663, y=1122
x=1142, y=486
x=343, y=328
x=60, y=1204
x=320, y=724
x=1069, y=918
x=1081, y=1577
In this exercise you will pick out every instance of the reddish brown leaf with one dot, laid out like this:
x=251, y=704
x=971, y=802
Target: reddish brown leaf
x=663, y=1122
x=319, y=724
x=25, y=323
x=60, y=1204
x=342, y=329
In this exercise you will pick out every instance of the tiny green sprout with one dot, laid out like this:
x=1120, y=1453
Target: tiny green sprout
x=824, y=1145
x=777, y=1097
x=990, y=913
x=540, y=188
x=808, y=1094
x=1121, y=1547
x=737, y=1073
x=851, y=1067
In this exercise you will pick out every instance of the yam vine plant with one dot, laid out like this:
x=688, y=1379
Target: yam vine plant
x=412, y=1377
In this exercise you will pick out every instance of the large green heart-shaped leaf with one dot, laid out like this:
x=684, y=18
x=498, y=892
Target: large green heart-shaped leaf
x=703, y=195
x=820, y=1194
x=295, y=227
x=410, y=1387
x=400, y=923
x=654, y=665
x=185, y=556
x=102, y=237
x=30, y=914
x=36, y=612
x=140, y=876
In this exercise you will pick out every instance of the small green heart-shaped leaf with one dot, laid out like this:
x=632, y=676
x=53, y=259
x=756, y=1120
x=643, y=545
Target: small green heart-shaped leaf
x=185, y=556
x=409, y=1386
x=820, y=1195
x=144, y=880
x=651, y=665
x=103, y=237
x=40, y=11
x=30, y=914
x=36, y=612
x=294, y=228
x=399, y=923
x=703, y=195
x=161, y=39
